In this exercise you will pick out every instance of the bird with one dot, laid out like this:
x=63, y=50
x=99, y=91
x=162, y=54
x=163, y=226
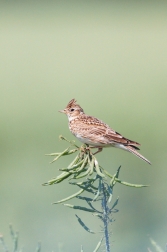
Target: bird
x=95, y=133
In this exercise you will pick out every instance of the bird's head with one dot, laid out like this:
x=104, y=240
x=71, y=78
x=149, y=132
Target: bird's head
x=72, y=110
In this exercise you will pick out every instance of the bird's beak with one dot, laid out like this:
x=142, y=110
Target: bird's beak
x=62, y=111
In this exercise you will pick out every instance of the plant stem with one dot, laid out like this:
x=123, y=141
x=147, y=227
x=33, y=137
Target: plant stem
x=105, y=217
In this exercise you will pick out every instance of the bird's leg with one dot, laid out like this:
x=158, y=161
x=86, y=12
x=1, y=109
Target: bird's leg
x=92, y=147
x=99, y=150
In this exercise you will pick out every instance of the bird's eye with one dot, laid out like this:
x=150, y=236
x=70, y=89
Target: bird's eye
x=71, y=109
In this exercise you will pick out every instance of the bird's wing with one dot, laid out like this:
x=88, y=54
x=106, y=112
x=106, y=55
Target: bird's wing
x=109, y=136
x=96, y=130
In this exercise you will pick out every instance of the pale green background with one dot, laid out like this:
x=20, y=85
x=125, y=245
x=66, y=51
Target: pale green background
x=112, y=57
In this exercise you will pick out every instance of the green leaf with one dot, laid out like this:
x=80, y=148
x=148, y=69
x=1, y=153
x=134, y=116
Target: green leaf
x=88, y=202
x=70, y=197
x=71, y=142
x=98, y=245
x=80, y=208
x=110, y=191
x=117, y=173
x=15, y=238
x=76, y=159
x=86, y=185
x=4, y=247
x=84, y=198
x=156, y=246
x=58, y=179
x=61, y=154
x=91, y=165
x=98, y=169
x=115, y=203
x=38, y=249
x=122, y=182
x=73, y=167
x=98, y=191
x=84, y=226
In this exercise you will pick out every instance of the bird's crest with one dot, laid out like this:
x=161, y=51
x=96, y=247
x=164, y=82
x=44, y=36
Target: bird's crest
x=71, y=103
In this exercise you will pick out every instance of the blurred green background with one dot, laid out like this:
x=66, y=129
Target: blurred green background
x=112, y=57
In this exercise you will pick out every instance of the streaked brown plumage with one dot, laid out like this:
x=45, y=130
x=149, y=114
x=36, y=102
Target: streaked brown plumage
x=95, y=132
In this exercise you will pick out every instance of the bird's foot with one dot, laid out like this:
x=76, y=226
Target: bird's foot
x=87, y=149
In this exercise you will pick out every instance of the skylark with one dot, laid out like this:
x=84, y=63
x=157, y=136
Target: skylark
x=95, y=133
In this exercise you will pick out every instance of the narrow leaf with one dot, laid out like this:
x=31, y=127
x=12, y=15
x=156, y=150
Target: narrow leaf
x=70, y=197
x=84, y=164
x=98, y=215
x=38, y=249
x=76, y=159
x=82, y=174
x=61, y=154
x=98, y=245
x=71, y=142
x=84, y=226
x=86, y=185
x=4, y=247
x=15, y=238
x=88, y=202
x=117, y=173
x=115, y=203
x=53, y=154
x=80, y=208
x=149, y=250
x=76, y=165
x=91, y=163
x=84, y=198
x=110, y=191
x=86, y=188
x=98, y=169
x=98, y=191
x=122, y=182
x=156, y=246
x=58, y=179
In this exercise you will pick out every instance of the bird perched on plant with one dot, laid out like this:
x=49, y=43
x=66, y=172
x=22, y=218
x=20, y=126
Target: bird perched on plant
x=96, y=133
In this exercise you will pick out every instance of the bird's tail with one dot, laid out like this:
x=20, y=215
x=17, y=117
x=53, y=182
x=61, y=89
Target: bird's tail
x=134, y=151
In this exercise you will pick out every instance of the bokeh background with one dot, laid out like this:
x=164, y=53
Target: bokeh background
x=112, y=57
